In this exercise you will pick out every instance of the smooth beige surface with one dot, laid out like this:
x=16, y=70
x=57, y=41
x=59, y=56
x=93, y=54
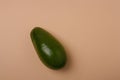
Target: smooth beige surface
x=89, y=30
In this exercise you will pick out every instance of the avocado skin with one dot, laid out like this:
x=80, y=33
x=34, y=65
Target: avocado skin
x=48, y=48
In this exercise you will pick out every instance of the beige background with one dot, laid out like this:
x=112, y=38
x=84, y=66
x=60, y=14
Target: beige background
x=89, y=30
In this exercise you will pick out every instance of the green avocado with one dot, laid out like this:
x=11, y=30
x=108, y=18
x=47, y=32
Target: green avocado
x=48, y=48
